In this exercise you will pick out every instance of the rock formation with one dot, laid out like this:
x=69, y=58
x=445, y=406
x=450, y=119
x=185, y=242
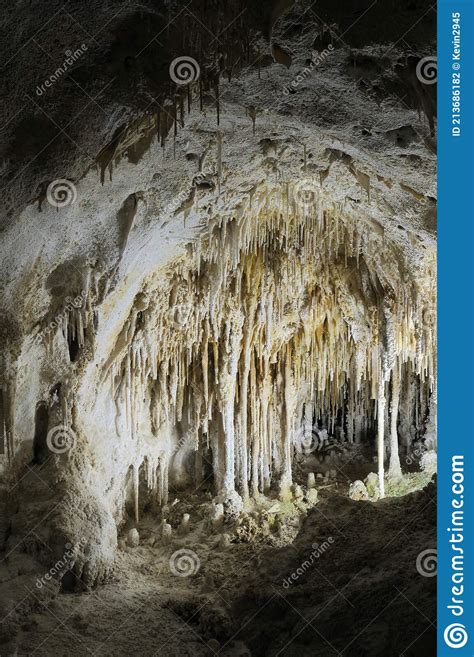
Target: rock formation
x=218, y=257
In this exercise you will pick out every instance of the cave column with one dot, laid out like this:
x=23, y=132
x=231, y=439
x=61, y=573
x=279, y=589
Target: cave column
x=228, y=383
x=135, y=471
x=286, y=477
x=229, y=437
x=394, y=470
x=266, y=432
x=247, y=352
x=380, y=432
x=256, y=442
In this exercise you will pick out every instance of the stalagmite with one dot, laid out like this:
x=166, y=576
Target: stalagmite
x=166, y=532
x=184, y=525
x=133, y=538
x=217, y=515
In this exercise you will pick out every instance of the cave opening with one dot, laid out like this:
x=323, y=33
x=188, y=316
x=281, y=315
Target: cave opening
x=218, y=338
x=281, y=335
x=40, y=445
x=73, y=347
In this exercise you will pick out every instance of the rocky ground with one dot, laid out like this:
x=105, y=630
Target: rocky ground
x=332, y=577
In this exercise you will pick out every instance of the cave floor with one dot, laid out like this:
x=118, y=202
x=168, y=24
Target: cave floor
x=339, y=578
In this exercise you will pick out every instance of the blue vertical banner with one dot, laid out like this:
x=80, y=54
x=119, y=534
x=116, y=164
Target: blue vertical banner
x=455, y=328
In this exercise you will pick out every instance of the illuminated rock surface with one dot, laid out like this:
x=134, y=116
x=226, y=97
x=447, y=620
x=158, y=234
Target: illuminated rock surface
x=237, y=298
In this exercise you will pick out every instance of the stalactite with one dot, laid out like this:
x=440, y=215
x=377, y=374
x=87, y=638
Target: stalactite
x=288, y=306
